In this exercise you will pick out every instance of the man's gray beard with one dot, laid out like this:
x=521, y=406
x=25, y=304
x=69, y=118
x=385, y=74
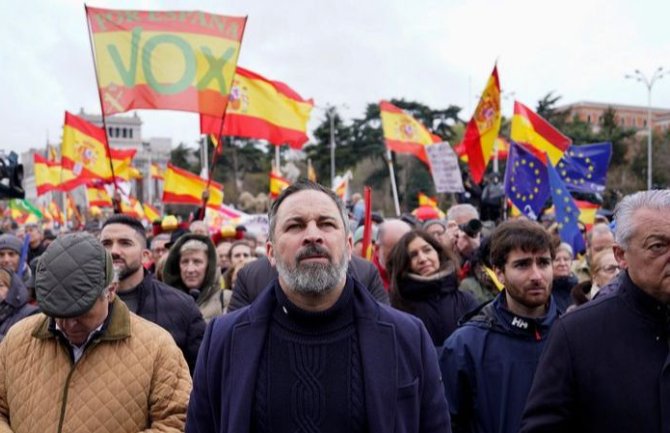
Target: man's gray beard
x=313, y=278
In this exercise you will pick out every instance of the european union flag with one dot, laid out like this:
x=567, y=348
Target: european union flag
x=526, y=181
x=567, y=212
x=584, y=168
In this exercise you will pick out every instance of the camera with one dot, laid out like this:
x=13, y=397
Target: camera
x=11, y=177
x=472, y=228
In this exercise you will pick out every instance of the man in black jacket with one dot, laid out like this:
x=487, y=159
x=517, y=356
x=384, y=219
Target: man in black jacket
x=254, y=277
x=605, y=366
x=175, y=311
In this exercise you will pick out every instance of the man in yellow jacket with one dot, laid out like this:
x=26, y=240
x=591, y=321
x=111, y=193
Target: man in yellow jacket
x=87, y=364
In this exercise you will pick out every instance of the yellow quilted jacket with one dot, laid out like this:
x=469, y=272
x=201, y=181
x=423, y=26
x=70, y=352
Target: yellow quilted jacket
x=132, y=378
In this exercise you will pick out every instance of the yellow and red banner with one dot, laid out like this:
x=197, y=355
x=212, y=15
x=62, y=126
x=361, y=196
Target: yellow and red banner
x=151, y=213
x=47, y=174
x=132, y=207
x=56, y=213
x=587, y=213
x=72, y=212
x=84, y=152
x=277, y=184
x=157, y=172
x=483, y=128
x=342, y=188
x=311, y=173
x=97, y=195
x=367, y=224
x=172, y=60
x=122, y=159
x=183, y=187
x=539, y=135
x=424, y=200
x=403, y=133
x=262, y=109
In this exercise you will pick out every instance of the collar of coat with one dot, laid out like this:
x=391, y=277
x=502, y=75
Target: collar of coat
x=117, y=326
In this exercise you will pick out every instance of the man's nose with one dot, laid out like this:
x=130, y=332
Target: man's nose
x=313, y=233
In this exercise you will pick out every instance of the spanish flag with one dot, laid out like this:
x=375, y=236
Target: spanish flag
x=151, y=213
x=97, y=195
x=164, y=60
x=84, y=150
x=587, y=212
x=47, y=174
x=132, y=207
x=277, y=184
x=403, y=133
x=56, y=213
x=262, y=109
x=122, y=159
x=483, y=128
x=184, y=187
x=311, y=173
x=424, y=200
x=538, y=134
x=342, y=188
x=157, y=172
x=72, y=212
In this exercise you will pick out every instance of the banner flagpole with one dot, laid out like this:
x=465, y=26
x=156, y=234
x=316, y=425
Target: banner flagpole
x=102, y=107
x=396, y=202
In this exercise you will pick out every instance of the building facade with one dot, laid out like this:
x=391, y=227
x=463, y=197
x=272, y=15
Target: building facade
x=627, y=116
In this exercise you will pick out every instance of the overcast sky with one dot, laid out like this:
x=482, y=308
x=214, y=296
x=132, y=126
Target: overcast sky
x=350, y=53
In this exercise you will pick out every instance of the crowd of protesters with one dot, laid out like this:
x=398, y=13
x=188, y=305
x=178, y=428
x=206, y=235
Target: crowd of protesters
x=453, y=324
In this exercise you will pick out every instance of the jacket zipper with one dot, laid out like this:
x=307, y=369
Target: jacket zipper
x=67, y=382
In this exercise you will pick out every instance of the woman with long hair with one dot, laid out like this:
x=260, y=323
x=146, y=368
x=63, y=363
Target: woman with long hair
x=424, y=283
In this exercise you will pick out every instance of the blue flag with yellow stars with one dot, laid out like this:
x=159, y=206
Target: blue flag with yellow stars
x=567, y=212
x=526, y=182
x=584, y=168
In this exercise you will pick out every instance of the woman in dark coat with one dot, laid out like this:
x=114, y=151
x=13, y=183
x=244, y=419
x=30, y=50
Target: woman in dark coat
x=424, y=284
x=14, y=304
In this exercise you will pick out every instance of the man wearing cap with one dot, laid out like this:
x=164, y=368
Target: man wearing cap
x=36, y=242
x=87, y=364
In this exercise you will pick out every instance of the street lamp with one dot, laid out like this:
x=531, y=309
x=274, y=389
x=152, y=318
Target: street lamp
x=649, y=83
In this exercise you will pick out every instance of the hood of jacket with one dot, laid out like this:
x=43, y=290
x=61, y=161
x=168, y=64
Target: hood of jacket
x=172, y=276
x=495, y=317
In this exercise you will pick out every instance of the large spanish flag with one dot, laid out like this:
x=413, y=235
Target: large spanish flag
x=151, y=213
x=173, y=60
x=403, y=133
x=262, y=109
x=538, y=134
x=278, y=183
x=482, y=129
x=47, y=174
x=184, y=187
x=97, y=195
x=84, y=151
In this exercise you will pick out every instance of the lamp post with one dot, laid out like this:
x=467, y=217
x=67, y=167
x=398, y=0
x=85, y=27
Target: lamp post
x=649, y=83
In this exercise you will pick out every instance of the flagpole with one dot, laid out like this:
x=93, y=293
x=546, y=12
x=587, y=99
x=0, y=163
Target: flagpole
x=102, y=107
x=277, y=158
x=396, y=202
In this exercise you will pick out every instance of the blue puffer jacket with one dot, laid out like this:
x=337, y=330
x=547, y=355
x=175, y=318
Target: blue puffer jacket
x=488, y=366
x=15, y=306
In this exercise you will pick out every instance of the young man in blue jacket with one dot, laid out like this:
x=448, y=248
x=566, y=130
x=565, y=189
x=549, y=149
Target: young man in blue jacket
x=488, y=363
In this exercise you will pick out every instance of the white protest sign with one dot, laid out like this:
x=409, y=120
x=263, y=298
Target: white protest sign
x=444, y=166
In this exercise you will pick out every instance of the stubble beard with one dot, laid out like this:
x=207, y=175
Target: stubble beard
x=312, y=279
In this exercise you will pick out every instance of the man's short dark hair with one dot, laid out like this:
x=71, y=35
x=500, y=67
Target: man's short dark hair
x=305, y=185
x=129, y=221
x=519, y=234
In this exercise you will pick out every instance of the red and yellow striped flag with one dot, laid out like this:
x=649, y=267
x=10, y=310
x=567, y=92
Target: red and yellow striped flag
x=277, y=184
x=151, y=213
x=157, y=172
x=587, y=212
x=56, y=213
x=262, y=109
x=172, y=60
x=47, y=174
x=72, y=212
x=84, y=152
x=424, y=200
x=367, y=223
x=538, y=134
x=184, y=187
x=403, y=133
x=132, y=207
x=483, y=128
x=342, y=188
x=123, y=163
x=97, y=195
x=311, y=173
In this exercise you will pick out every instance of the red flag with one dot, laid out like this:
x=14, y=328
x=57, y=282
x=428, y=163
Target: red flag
x=367, y=227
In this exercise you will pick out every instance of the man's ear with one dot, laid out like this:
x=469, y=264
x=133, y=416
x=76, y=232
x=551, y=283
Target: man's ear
x=620, y=256
x=500, y=275
x=269, y=251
